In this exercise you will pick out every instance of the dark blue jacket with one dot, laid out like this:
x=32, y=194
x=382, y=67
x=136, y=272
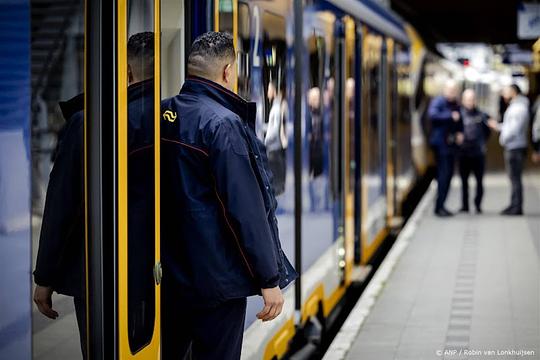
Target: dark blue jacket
x=60, y=260
x=443, y=127
x=219, y=230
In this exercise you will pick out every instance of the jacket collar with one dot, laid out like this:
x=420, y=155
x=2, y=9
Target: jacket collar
x=244, y=109
x=140, y=89
x=72, y=106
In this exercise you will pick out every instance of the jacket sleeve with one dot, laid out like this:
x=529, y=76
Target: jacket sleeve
x=63, y=203
x=240, y=195
x=437, y=112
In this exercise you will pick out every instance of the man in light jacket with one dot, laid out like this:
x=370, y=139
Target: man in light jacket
x=513, y=137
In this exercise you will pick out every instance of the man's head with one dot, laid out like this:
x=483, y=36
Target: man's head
x=212, y=57
x=451, y=90
x=468, y=99
x=513, y=91
x=140, y=56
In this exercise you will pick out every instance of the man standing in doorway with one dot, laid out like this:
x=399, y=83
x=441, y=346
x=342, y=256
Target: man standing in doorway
x=219, y=230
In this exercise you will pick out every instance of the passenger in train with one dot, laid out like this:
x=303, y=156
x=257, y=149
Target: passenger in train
x=60, y=260
x=513, y=137
x=446, y=133
x=472, y=152
x=220, y=241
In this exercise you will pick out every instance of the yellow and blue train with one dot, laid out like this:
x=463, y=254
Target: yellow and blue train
x=341, y=88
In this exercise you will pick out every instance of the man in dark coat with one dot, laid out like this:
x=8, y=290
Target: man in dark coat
x=472, y=152
x=446, y=130
x=60, y=260
x=220, y=239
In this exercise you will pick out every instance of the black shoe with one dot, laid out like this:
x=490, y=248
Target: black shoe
x=478, y=210
x=443, y=213
x=464, y=210
x=512, y=211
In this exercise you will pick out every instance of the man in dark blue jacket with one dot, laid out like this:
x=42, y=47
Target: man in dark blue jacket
x=60, y=260
x=220, y=239
x=472, y=152
x=446, y=130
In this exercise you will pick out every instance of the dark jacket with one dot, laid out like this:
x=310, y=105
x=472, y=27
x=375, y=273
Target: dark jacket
x=475, y=132
x=60, y=260
x=443, y=127
x=219, y=229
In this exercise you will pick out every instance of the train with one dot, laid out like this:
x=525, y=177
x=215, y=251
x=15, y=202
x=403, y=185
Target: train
x=341, y=88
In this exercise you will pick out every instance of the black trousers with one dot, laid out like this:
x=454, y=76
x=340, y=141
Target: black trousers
x=472, y=163
x=80, y=312
x=445, y=171
x=210, y=333
x=514, y=162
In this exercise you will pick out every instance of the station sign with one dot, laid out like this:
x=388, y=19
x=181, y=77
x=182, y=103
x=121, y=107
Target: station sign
x=528, y=20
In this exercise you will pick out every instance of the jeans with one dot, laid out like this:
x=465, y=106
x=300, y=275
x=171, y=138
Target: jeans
x=514, y=161
x=445, y=171
x=476, y=164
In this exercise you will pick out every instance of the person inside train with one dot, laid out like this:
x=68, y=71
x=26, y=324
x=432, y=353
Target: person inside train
x=472, y=151
x=60, y=259
x=446, y=133
x=513, y=138
x=220, y=241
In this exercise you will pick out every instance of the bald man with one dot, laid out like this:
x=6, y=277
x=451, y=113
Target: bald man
x=219, y=230
x=472, y=151
x=446, y=128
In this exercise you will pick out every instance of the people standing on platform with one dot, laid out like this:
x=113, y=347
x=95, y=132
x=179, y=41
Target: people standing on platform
x=472, y=151
x=220, y=241
x=60, y=261
x=513, y=137
x=446, y=134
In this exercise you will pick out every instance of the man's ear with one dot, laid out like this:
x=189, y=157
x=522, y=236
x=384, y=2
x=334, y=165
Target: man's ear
x=227, y=74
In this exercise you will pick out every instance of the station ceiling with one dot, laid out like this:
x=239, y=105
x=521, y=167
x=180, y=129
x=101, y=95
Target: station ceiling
x=463, y=21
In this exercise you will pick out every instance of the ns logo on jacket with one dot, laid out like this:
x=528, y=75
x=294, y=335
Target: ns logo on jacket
x=170, y=115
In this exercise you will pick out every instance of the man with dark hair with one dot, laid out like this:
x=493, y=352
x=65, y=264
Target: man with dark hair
x=514, y=139
x=60, y=260
x=219, y=229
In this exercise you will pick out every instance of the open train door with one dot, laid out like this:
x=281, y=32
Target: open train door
x=122, y=178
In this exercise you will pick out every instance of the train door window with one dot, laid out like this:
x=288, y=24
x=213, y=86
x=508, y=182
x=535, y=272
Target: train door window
x=273, y=130
x=139, y=127
x=172, y=47
x=403, y=93
x=243, y=50
x=374, y=164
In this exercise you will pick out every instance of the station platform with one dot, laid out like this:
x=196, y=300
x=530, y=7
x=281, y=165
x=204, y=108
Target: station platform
x=465, y=287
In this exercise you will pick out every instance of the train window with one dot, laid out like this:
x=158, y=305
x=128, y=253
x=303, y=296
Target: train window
x=403, y=91
x=350, y=88
x=226, y=15
x=374, y=166
x=172, y=47
x=273, y=128
x=140, y=180
x=243, y=49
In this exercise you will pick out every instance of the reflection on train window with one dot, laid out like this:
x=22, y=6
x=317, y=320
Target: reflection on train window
x=226, y=15
x=372, y=61
x=141, y=226
x=318, y=162
x=243, y=50
x=403, y=89
x=273, y=129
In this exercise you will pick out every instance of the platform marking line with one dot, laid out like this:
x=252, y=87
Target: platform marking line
x=343, y=341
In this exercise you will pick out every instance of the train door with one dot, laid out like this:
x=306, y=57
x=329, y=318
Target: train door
x=122, y=178
x=349, y=144
x=138, y=151
x=374, y=206
x=391, y=131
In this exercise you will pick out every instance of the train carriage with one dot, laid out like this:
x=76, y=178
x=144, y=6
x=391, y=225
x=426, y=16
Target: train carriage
x=336, y=84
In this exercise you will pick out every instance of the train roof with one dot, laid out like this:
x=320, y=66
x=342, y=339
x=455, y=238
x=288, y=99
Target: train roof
x=375, y=16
